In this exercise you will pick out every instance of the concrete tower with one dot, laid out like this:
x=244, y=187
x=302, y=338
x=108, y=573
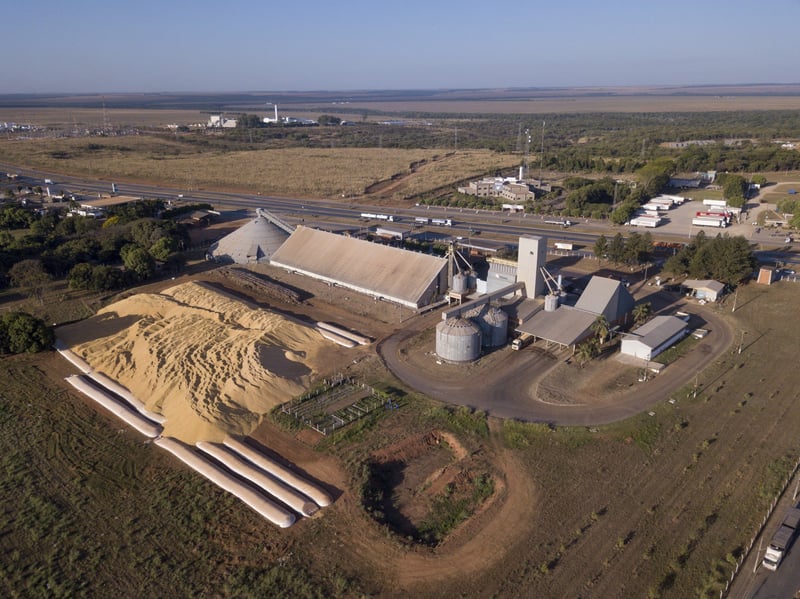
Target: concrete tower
x=532, y=257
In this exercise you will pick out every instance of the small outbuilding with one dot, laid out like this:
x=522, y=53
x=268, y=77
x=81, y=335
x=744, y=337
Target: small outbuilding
x=766, y=275
x=653, y=337
x=706, y=289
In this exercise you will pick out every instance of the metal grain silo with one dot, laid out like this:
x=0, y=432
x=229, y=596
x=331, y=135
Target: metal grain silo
x=458, y=340
x=494, y=327
x=460, y=283
x=550, y=302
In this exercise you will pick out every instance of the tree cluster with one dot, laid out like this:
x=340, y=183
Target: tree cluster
x=722, y=258
x=121, y=252
x=20, y=333
x=637, y=249
x=734, y=188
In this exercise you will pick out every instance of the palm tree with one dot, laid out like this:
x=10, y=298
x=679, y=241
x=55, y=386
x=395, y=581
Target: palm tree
x=641, y=312
x=601, y=328
x=587, y=351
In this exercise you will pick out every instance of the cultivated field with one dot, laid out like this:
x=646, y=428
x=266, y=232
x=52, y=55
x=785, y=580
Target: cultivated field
x=295, y=172
x=656, y=505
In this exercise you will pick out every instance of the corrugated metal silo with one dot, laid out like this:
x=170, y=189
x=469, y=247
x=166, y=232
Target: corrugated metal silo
x=460, y=283
x=458, y=340
x=494, y=326
x=550, y=302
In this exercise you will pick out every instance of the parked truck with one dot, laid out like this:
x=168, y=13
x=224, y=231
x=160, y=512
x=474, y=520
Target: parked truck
x=782, y=540
x=519, y=342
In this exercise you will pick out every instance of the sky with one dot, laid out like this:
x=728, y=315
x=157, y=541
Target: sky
x=89, y=46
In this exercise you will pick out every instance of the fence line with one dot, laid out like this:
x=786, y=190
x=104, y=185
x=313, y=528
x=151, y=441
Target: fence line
x=760, y=530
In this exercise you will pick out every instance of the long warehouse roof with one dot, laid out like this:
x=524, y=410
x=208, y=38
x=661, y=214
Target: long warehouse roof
x=395, y=274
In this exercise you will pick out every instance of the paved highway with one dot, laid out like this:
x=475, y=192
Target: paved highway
x=465, y=221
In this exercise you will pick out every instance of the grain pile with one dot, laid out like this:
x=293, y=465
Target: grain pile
x=209, y=362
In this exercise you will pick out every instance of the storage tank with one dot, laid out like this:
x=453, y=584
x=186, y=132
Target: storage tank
x=460, y=283
x=458, y=340
x=494, y=327
x=550, y=302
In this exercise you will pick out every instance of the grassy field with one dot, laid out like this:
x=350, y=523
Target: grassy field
x=296, y=172
x=631, y=103
x=91, y=509
x=653, y=506
x=658, y=506
x=69, y=118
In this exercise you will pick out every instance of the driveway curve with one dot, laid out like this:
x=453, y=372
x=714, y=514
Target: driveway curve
x=509, y=392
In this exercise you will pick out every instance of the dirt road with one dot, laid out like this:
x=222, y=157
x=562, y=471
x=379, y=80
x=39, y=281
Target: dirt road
x=508, y=391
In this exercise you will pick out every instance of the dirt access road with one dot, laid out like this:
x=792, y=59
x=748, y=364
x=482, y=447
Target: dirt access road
x=508, y=389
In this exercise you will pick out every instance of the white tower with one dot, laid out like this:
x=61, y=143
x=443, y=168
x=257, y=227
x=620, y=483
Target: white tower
x=532, y=257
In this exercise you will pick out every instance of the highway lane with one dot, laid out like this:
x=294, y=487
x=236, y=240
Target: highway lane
x=465, y=221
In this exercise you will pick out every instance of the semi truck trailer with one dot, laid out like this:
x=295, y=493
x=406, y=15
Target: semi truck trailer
x=782, y=540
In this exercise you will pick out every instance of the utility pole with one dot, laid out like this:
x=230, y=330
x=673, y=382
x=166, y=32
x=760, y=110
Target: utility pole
x=541, y=156
x=755, y=565
x=741, y=342
x=735, y=297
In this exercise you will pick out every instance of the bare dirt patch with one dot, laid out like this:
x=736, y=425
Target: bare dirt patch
x=425, y=486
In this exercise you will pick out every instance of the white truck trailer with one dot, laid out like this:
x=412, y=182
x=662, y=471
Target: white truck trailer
x=709, y=221
x=782, y=540
x=644, y=220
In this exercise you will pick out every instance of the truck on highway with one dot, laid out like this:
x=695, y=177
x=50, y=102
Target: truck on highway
x=782, y=540
x=709, y=221
x=560, y=223
x=519, y=342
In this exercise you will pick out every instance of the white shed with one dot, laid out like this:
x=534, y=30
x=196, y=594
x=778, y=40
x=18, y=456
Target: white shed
x=653, y=337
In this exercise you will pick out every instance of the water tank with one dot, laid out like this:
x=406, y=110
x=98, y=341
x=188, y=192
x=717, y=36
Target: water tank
x=458, y=340
x=460, y=283
x=494, y=327
x=550, y=302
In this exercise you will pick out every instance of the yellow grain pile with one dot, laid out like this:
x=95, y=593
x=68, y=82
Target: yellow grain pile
x=209, y=362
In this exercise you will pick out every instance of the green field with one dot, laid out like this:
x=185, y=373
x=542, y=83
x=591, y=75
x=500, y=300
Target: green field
x=656, y=505
x=91, y=509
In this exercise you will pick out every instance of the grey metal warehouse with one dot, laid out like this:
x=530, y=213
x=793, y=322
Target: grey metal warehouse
x=407, y=278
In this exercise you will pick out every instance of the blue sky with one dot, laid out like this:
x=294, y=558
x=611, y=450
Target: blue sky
x=149, y=46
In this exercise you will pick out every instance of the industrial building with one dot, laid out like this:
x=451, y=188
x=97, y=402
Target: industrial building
x=253, y=243
x=568, y=326
x=407, y=278
x=508, y=188
x=653, y=337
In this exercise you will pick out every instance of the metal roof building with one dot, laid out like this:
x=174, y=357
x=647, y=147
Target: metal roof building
x=606, y=297
x=653, y=337
x=251, y=243
x=568, y=325
x=707, y=289
x=407, y=278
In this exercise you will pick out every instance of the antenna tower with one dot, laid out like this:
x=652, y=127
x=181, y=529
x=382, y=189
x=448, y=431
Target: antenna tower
x=105, y=118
